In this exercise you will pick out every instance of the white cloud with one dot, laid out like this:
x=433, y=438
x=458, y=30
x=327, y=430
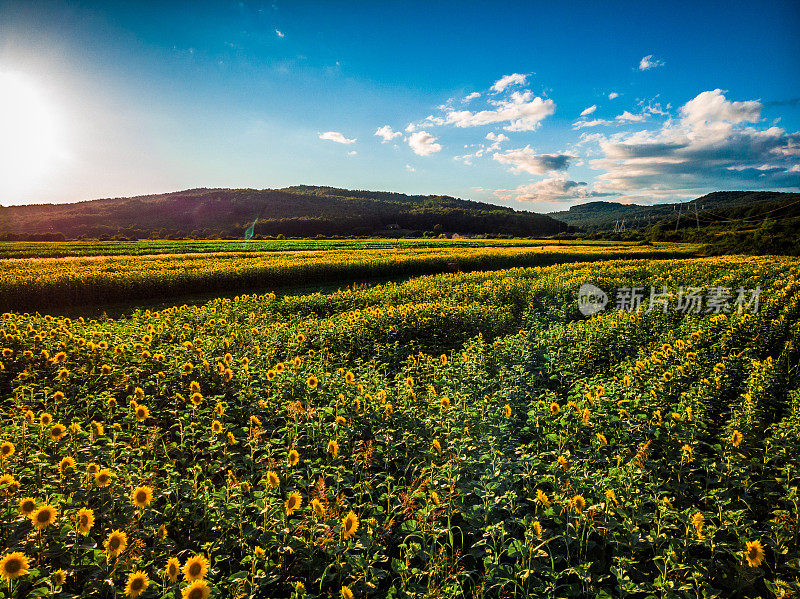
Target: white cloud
x=352, y=153
x=386, y=133
x=410, y=128
x=648, y=62
x=554, y=189
x=423, y=143
x=613, y=95
x=514, y=79
x=627, y=117
x=337, y=137
x=526, y=160
x=522, y=111
x=588, y=111
x=470, y=97
x=280, y=33
x=594, y=123
x=712, y=106
x=712, y=145
x=410, y=168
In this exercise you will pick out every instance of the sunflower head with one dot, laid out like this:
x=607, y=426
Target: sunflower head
x=293, y=503
x=66, y=463
x=116, y=542
x=312, y=382
x=6, y=450
x=542, y=498
x=57, y=432
x=507, y=410
x=137, y=584
x=45, y=419
x=142, y=496
x=578, y=503
x=349, y=525
x=59, y=578
x=196, y=590
x=102, y=477
x=43, y=517
x=172, y=569
x=754, y=553
x=216, y=427
x=142, y=413
x=84, y=520
x=294, y=457
x=27, y=505
x=346, y=593
x=736, y=438
x=554, y=408
x=333, y=448
x=318, y=508
x=14, y=565
x=195, y=568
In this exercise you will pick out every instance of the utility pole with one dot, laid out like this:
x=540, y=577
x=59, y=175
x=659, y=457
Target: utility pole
x=697, y=217
x=678, y=222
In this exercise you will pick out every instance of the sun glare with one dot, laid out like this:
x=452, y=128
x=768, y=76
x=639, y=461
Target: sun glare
x=28, y=135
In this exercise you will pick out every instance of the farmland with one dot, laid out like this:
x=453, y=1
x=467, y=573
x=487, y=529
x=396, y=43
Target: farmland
x=34, y=283
x=454, y=435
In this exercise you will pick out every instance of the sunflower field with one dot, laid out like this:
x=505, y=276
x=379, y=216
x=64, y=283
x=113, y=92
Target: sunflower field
x=454, y=435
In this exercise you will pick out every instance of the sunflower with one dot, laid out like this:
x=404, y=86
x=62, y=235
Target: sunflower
x=57, y=432
x=116, y=542
x=84, y=520
x=27, y=505
x=92, y=469
x=698, y=521
x=601, y=439
x=142, y=413
x=196, y=399
x=188, y=368
x=611, y=497
x=736, y=438
x=254, y=421
x=30, y=417
x=259, y=552
x=142, y=496
x=13, y=566
x=319, y=509
x=507, y=410
x=271, y=375
x=389, y=409
x=172, y=569
x=349, y=378
x=6, y=450
x=554, y=409
x=346, y=593
x=297, y=362
x=312, y=382
x=67, y=462
x=196, y=590
x=216, y=426
x=195, y=568
x=219, y=409
x=294, y=457
x=59, y=578
x=341, y=420
x=688, y=453
x=137, y=584
x=333, y=448
x=436, y=446
x=541, y=496
x=103, y=477
x=349, y=525
x=436, y=499
x=45, y=419
x=280, y=367
x=97, y=428
x=231, y=438
x=8, y=484
x=578, y=503
x=43, y=517
x=754, y=553
x=293, y=503
x=194, y=387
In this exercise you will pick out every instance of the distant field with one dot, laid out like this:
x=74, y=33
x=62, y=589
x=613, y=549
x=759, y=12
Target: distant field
x=60, y=249
x=38, y=284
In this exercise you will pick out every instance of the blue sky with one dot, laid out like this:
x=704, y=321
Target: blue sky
x=476, y=100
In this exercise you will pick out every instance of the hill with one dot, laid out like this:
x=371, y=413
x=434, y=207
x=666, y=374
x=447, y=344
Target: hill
x=297, y=211
x=708, y=209
x=750, y=222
